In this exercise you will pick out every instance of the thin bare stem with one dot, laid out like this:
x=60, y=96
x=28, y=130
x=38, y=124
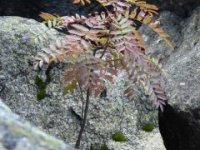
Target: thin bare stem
x=78, y=142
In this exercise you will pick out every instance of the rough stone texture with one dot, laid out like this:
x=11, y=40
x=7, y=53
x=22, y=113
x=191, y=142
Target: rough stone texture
x=179, y=124
x=16, y=134
x=170, y=22
x=144, y=141
x=60, y=116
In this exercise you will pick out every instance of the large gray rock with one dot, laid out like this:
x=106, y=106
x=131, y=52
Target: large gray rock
x=60, y=116
x=180, y=122
x=17, y=134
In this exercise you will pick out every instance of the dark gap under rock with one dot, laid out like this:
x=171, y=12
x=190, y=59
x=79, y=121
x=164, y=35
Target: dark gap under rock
x=32, y=8
x=180, y=130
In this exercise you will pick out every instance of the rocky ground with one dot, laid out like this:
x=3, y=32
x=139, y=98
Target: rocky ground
x=179, y=124
x=60, y=116
x=16, y=134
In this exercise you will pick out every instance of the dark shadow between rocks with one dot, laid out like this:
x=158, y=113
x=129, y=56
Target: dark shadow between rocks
x=180, y=130
x=24, y=8
x=182, y=8
x=32, y=8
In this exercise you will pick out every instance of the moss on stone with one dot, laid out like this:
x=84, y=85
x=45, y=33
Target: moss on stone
x=102, y=147
x=48, y=75
x=42, y=85
x=119, y=137
x=41, y=94
x=41, y=88
x=92, y=147
x=48, y=79
x=148, y=127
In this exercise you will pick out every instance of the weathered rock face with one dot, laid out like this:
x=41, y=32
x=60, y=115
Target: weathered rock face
x=16, y=134
x=180, y=122
x=60, y=116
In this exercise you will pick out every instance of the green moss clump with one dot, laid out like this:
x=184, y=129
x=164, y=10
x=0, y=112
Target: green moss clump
x=102, y=147
x=92, y=147
x=41, y=88
x=48, y=75
x=148, y=127
x=41, y=94
x=119, y=137
x=40, y=83
x=48, y=79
